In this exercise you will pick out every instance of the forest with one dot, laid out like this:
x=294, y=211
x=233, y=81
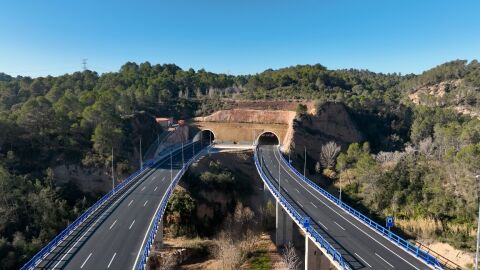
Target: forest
x=427, y=154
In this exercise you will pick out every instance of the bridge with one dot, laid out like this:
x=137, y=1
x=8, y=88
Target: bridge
x=337, y=236
x=119, y=230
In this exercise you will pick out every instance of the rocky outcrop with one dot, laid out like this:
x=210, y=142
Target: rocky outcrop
x=177, y=135
x=436, y=90
x=90, y=180
x=331, y=123
x=434, y=95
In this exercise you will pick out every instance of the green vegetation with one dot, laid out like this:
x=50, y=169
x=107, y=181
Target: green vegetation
x=431, y=183
x=217, y=190
x=260, y=261
x=32, y=212
x=76, y=119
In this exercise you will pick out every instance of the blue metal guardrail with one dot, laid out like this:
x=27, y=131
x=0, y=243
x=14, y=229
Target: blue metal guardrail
x=300, y=219
x=37, y=258
x=159, y=214
x=425, y=256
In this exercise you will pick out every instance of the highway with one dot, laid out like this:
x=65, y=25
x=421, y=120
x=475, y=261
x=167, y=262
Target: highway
x=360, y=246
x=114, y=237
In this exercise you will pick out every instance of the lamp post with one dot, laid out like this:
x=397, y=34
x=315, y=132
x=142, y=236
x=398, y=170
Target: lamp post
x=141, y=161
x=171, y=166
x=113, y=175
x=279, y=187
x=305, y=165
x=340, y=196
x=477, y=177
x=183, y=159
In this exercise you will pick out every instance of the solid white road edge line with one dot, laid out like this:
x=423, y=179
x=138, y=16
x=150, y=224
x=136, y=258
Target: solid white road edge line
x=139, y=181
x=351, y=222
x=93, y=225
x=148, y=229
x=151, y=222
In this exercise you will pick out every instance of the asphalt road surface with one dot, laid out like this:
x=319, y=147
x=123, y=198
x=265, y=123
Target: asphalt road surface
x=360, y=246
x=114, y=237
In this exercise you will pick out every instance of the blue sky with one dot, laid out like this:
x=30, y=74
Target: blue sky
x=38, y=38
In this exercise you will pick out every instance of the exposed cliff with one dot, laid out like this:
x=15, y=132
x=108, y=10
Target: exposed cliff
x=249, y=116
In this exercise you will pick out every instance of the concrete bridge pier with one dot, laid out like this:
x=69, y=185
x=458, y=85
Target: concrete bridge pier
x=283, y=225
x=158, y=242
x=266, y=194
x=314, y=257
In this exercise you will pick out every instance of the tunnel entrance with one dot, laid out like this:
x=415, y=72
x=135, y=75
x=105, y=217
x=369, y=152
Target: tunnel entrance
x=205, y=137
x=268, y=138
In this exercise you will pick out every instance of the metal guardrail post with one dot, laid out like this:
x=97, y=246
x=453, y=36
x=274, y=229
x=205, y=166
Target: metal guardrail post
x=152, y=233
x=428, y=258
x=314, y=234
x=47, y=249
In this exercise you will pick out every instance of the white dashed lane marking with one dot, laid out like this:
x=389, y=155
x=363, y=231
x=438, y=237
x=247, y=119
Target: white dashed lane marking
x=84, y=262
x=111, y=260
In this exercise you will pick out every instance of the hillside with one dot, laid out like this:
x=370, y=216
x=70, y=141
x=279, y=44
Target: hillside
x=455, y=94
x=76, y=119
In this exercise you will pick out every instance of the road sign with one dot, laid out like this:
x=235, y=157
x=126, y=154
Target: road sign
x=306, y=222
x=390, y=222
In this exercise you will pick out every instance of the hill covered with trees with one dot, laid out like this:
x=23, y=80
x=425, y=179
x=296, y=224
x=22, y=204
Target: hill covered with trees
x=78, y=118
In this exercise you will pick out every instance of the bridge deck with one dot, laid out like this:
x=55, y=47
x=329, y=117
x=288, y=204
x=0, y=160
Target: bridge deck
x=114, y=237
x=360, y=246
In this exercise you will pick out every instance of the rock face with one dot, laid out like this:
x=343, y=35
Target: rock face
x=93, y=180
x=178, y=135
x=436, y=90
x=433, y=95
x=331, y=123
x=249, y=116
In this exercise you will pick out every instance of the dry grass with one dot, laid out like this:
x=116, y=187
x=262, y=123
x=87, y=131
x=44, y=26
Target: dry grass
x=462, y=258
x=427, y=227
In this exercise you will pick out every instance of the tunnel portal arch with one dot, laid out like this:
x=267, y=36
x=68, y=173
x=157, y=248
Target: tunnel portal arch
x=206, y=136
x=268, y=138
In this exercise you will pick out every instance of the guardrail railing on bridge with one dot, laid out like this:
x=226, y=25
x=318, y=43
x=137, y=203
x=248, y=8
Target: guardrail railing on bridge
x=416, y=251
x=300, y=219
x=46, y=250
x=153, y=231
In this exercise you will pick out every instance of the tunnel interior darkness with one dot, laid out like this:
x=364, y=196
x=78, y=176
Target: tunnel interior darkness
x=268, y=138
x=205, y=136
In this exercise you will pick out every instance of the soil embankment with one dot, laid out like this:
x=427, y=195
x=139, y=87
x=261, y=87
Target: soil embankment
x=224, y=191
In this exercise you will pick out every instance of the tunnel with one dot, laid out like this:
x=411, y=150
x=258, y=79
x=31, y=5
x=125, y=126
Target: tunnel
x=267, y=138
x=205, y=136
